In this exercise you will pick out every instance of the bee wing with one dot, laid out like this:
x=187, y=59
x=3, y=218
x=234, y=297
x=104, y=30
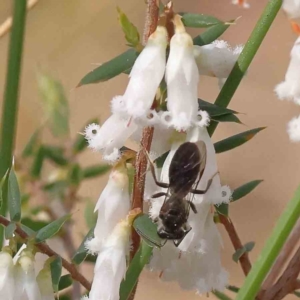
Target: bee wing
x=203, y=154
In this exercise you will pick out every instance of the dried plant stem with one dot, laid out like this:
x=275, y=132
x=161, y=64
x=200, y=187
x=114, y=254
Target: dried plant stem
x=287, y=283
x=44, y=248
x=283, y=256
x=6, y=25
x=237, y=244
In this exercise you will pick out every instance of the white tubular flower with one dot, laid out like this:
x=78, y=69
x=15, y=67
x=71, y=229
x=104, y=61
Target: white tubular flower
x=243, y=3
x=293, y=129
x=110, y=137
x=216, y=59
x=291, y=8
x=7, y=281
x=44, y=282
x=182, y=80
x=290, y=88
x=113, y=205
x=216, y=193
x=146, y=75
x=26, y=287
x=110, y=266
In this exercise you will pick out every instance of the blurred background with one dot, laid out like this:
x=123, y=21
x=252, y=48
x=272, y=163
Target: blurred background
x=70, y=38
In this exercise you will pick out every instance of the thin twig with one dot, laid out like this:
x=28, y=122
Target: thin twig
x=236, y=242
x=287, y=283
x=283, y=256
x=44, y=248
x=6, y=25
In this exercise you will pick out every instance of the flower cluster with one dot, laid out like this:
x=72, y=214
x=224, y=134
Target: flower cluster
x=163, y=93
x=289, y=89
x=18, y=278
x=145, y=104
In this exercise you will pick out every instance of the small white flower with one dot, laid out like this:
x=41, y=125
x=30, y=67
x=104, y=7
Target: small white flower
x=293, y=129
x=7, y=288
x=146, y=75
x=216, y=59
x=112, y=206
x=242, y=3
x=290, y=88
x=182, y=80
x=26, y=287
x=110, y=266
x=291, y=8
x=111, y=136
x=44, y=282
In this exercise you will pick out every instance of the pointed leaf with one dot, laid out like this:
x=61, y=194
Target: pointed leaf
x=56, y=268
x=56, y=155
x=94, y=171
x=236, y=140
x=51, y=229
x=213, y=109
x=144, y=226
x=135, y=268
x=245, y=189
x=37, y=164
x=56, y=105
x=210, y=34
x=220, y=295
x=232, y=288
x=9, y=230
x=111, y=68
x=3, y=185
x=27, y=230
x=89, y=215
x=131, y=33
x=222, y=209
x=80, y=142
x=199, y=20
x=81, y=252
x=226, y=118
x=65, y=282
x=32, y=144
x=75, y=175
x=14, y=197
x=34, y=225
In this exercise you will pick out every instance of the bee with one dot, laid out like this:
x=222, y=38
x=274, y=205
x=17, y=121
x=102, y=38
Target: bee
x=187, y=167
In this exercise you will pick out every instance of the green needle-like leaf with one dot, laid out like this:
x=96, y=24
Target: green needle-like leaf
x=131, y=33
x=214, y=110
x=148, y=231
x=64, y=282
x=199, y=20
x=245, y=189
x=232, y=288
x=55, y=154
x=94, y=171
x=37, y=164
x=274, y=244
x=136, y=266
x=56, y=268
x=236, y=140
x=9, y=230
x=111, y=68
x=3, y=186
x=220, y=295
x=14, y=197
x=226, y=118
x=51, y=229
x=81, y=252
x=32, y=144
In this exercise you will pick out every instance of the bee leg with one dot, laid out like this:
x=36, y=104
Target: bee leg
x=160, y=194
x=201, y=192
x=193, y=207
x=152, y=169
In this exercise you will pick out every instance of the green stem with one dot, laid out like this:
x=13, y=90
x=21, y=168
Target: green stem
x=271, y=250
x=257, y=36
x=11, y=92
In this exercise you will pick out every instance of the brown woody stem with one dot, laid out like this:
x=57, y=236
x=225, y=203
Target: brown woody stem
x=44, y=248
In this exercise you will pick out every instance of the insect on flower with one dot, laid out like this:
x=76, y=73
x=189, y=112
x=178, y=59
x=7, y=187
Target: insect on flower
x=185, y=172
